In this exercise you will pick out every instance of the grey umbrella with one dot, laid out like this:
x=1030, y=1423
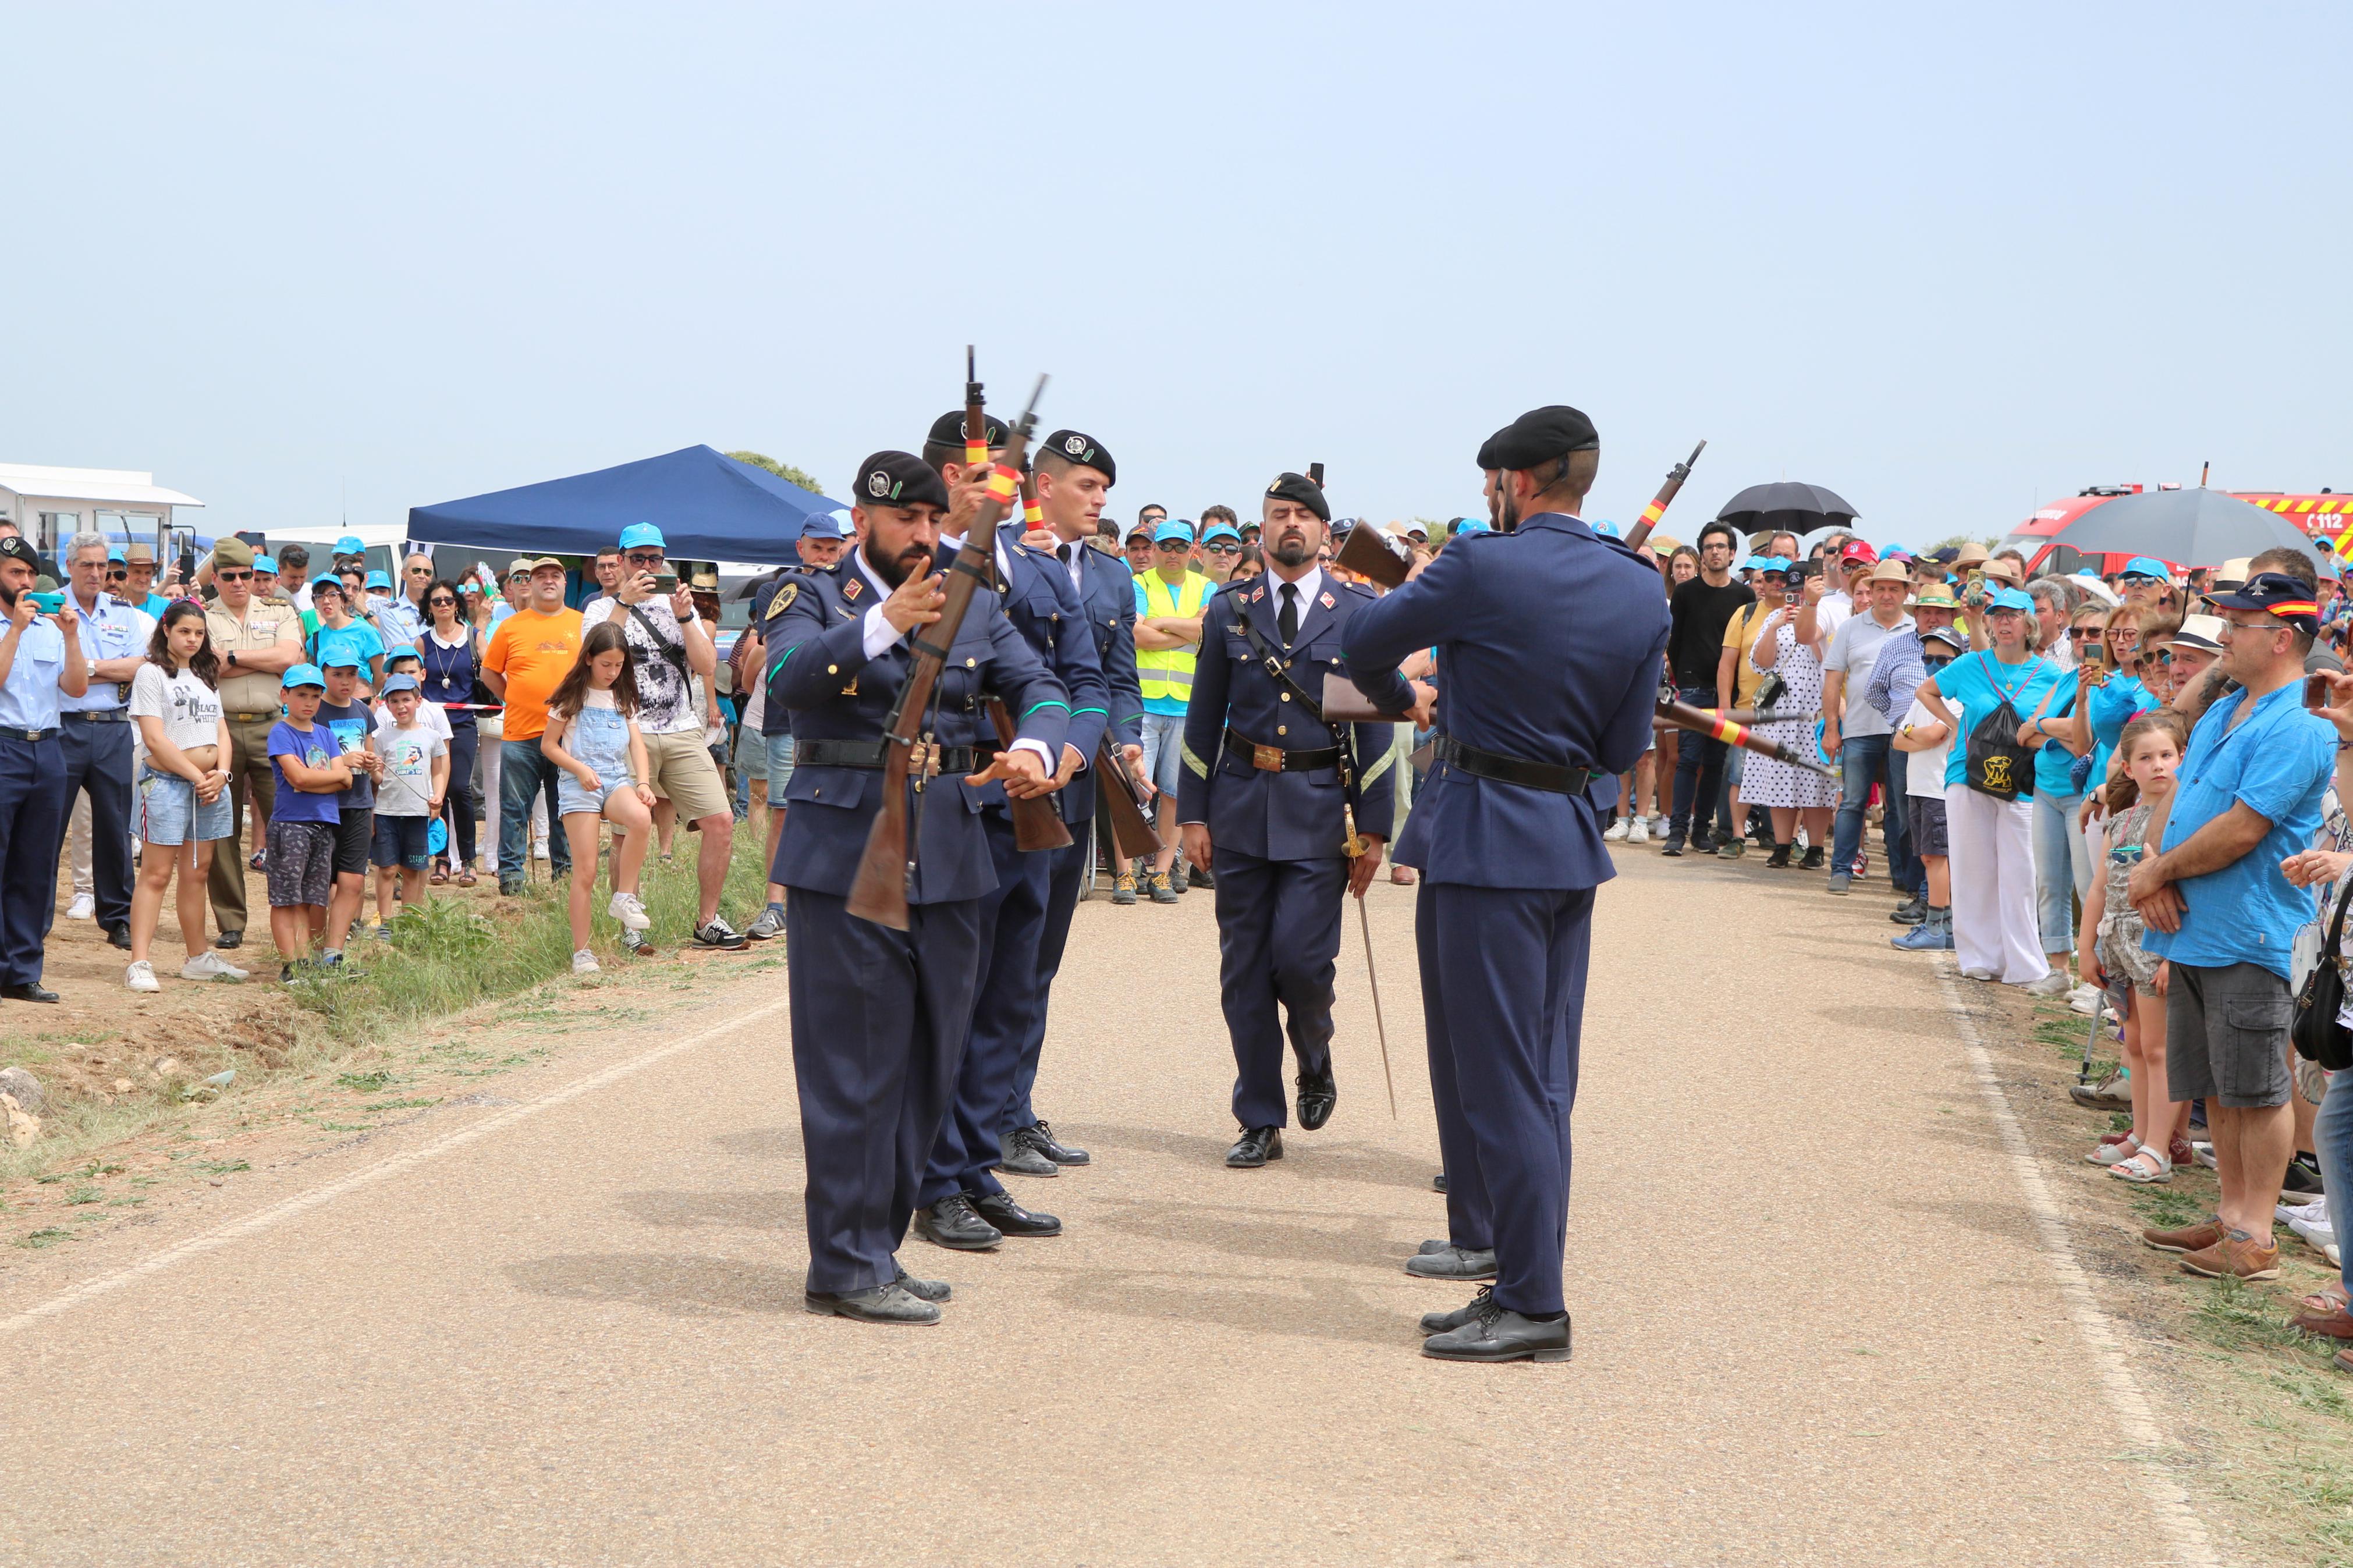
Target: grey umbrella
x=1788, y=507
x=2187, y=528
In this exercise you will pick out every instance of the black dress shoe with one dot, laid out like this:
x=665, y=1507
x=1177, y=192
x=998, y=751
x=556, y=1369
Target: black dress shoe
x=890, y=1303
x=1317, y=1094
x=1497, y=1334
x=228, y=940
x=1015, y=1157
x=1000, y=1210
x=25, y=994
x=1258, y=1145
x=924, y=1289
x=120, y=936
x=1437, y=1183
x=951, y=1222
x=1447, y=1323
x=1041, y=1137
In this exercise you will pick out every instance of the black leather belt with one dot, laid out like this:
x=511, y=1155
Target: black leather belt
x=934, y=760
x=14, y=733
x=1275, y=759
x=1494, y=765
x=96, y=716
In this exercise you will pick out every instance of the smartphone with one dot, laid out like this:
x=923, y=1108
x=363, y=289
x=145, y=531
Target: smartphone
x=49, y=603
x=2316, y=693
x=1977, y=582
x=2092, y=662
x=665, y=582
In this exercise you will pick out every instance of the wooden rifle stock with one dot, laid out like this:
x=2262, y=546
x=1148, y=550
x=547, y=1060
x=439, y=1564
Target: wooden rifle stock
x=1684, y=716
x=888, y=867
x=1664, y=499
x=1036, y=824
x=1124, y=802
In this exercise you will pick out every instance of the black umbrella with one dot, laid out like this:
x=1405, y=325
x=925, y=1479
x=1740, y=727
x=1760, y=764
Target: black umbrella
x=1788, y=507
x=2189, y=528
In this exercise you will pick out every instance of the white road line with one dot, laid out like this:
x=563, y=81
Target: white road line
x=303, y=1203
x=2175, y=1513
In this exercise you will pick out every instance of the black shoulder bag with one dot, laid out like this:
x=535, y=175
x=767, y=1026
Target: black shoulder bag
x=1996, y=764
x=675, y=653
x=2318, y=1036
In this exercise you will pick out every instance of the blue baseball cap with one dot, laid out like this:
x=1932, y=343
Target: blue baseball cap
x=1175, y=529
x=1471, y=525
x=824, y=525
x=1773, y=563
x=639, y=534
x=266, y=563
x=117, y=556
x=349, y=544
x=1222, y=531
x=2009, y=599
x=1605, y=529
x=2145, y=567
x=378, y=580
x=398, y=683
x=303, y=675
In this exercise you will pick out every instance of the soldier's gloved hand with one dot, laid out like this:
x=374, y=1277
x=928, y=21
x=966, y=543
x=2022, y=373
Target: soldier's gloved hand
x=1361, y=869
x=1193, y=842
x=1021, y=774
x=915, y=602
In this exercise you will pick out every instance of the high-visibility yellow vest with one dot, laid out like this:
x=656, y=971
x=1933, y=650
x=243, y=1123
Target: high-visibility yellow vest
x=1168, y=673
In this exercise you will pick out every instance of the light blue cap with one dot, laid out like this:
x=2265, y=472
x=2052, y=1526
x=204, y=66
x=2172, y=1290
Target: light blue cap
x=1222, y=531
x=398, y=683
x=117, y=555
x=1173, y=527
x=642, y=533
x=2009, y=599
x=349, y=544
x=1773, y=563
x=1473, y=525
x=303, y=675
x=378, y=580
x=2145, y=567
x=1752, y=564
x=1605, y=529
x=393, y=656
x=266, y=563
x=824, y=525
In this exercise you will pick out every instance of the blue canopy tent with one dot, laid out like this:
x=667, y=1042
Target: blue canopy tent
x=709, y=507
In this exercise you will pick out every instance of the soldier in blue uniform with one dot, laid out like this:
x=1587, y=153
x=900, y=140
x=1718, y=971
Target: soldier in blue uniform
x=960, y=1203
x=880, y=1015
x=1074, y=477
x=1262, y=802
x=1550, y=639
x=41, y=662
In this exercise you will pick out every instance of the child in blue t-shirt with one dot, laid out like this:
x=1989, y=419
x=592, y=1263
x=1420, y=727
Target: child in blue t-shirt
x=311, y=777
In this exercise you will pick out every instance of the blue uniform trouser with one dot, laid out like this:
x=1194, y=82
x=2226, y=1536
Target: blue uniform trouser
x=32, y=827
x=1066, y=869
x=1278, y=935
x=98, y=759
x=1863, y=761
x=1005, y=997
x=878, y=1018
x=1502, y=1002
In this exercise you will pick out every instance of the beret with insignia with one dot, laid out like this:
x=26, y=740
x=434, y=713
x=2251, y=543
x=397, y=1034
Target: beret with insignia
x=1079, y=447
x=1538, y=437
x=900, y=478
x=1301, y=488
x=947, y=430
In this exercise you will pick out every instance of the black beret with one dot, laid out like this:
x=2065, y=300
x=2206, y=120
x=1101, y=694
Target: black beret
x=1084, y=450
x=947, y=430
x=17, y=547
x=900, y=478
x=1303, y=489
x=1538, y=437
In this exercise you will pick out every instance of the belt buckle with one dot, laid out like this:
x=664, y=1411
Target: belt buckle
x=924, y=760
x=1267, y=759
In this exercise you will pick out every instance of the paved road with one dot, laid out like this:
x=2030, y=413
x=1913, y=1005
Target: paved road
x=1812, y=1321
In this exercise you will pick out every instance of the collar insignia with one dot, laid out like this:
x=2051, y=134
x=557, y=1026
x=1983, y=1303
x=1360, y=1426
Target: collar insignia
x=1327, y=601
x=851, y=589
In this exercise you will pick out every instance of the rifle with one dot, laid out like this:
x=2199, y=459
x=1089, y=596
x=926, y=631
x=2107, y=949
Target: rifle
x=1664, y=499
x=886, y=872
x=1717, y=728
x=1037, y=825
x=1123, y=803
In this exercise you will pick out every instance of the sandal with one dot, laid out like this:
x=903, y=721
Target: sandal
x=440, y=875
x=2145, y=1169
x=2115, y=1153
x=2328, y=1298
x=466, y=879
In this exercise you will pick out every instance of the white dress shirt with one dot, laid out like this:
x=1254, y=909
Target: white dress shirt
x=879, y=634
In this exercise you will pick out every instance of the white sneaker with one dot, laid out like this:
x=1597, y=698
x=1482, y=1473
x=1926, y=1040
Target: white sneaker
x=1659, y=826
x=539, y=848
x=1638, y=833
x=141, y=976
x=1978, y=975
x=626, y=909
x=2084, y=999
x=2316, y=1209
x=2311, y=1222
x=583, y=962
x=1615, y=832
x=210, y=966
x=83, y=908
x=2054, y=983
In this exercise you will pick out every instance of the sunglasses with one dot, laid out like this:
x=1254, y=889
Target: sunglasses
x=1172, y=545
x=2080, y=633
x=233, y=576
x=438, y=599
x=118, y=573
x=1224, y=549
x=420, y=571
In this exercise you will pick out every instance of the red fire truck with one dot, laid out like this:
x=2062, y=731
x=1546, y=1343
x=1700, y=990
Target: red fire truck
x=2326, y=515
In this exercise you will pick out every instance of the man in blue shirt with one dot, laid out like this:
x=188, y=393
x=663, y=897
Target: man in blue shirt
x=97, y=729
x=2220, y=911
x=40, y=657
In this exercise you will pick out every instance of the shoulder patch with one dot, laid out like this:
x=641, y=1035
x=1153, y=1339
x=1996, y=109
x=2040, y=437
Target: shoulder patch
x=782, y=599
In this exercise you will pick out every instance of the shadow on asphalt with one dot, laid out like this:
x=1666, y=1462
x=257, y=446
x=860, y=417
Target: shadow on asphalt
x=782, y=1142
x=678, y=1284
x=1304, y=1153
x=745, y=1211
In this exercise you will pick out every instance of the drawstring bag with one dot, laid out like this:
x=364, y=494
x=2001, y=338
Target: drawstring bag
x=1997, y=765
x=2318, y=1036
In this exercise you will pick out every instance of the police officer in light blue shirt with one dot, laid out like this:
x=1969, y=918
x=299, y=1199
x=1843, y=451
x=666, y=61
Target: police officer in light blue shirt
x=40, y=660
x=97, y=728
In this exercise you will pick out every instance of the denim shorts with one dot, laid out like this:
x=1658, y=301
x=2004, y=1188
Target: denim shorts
x=169, y=811
x=401, y=841
x=571, y=800
x=1164, y=751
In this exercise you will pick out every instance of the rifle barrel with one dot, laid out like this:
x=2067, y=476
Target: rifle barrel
x=1664, y=499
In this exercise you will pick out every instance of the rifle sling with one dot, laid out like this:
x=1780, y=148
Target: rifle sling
x=1344, y=735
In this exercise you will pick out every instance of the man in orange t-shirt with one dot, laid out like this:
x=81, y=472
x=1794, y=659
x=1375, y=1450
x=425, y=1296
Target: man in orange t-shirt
x=530, y=654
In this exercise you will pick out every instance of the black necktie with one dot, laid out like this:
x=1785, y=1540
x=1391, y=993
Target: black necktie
x=1065, y=552
x=1288, y=621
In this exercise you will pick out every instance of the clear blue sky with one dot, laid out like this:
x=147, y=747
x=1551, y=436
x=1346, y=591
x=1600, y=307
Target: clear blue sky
x=1948, y=262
